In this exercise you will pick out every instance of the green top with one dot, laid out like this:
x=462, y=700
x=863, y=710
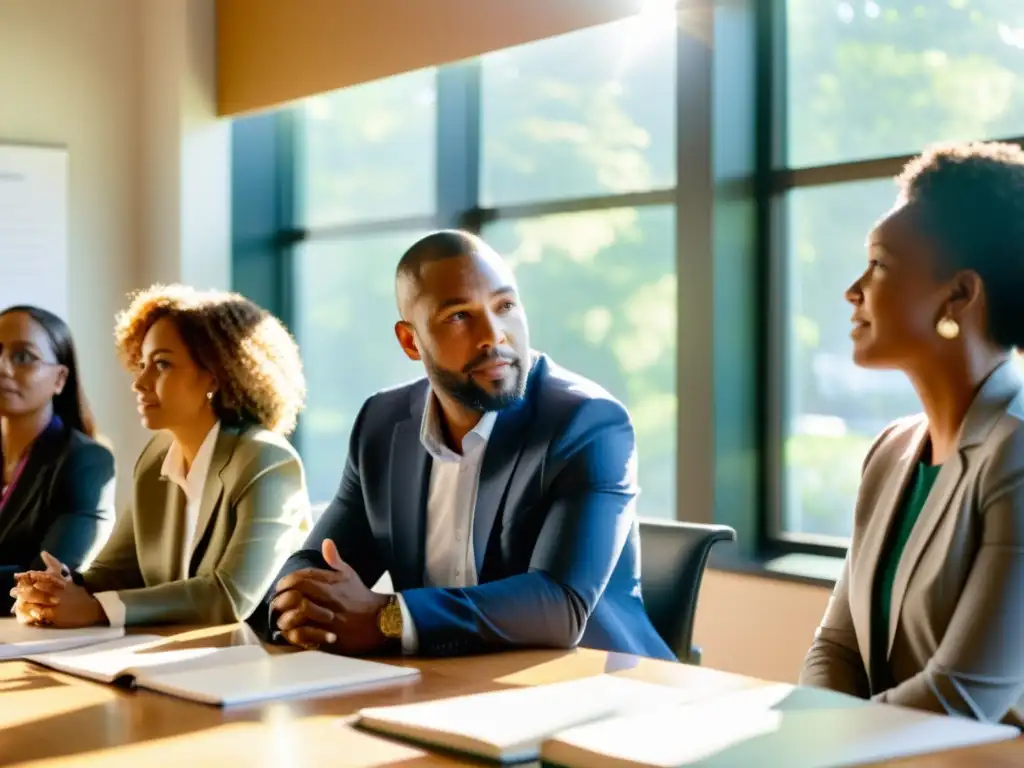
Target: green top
x=881, y=603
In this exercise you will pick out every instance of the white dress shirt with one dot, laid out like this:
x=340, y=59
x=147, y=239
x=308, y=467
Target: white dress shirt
x=451, y=502
x=191, y=484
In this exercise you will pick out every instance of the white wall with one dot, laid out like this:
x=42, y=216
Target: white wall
x=69, y=75
x=185, y=181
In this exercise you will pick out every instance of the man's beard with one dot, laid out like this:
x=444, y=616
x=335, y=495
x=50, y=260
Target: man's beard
x=463, y=389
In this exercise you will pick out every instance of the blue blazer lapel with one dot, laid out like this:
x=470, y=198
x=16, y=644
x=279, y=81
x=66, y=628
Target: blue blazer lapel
x=501, y=457
x=409, y=484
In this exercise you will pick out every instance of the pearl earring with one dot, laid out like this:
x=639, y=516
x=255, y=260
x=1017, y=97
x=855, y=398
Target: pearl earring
x=209, y=395
x=948, y=328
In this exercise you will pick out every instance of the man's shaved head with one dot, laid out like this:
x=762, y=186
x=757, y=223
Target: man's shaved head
x=462, y=317
x=437, y=246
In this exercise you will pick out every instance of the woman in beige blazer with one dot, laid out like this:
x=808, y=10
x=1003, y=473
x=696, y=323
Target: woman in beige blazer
x=929, y=611
x=219, y=498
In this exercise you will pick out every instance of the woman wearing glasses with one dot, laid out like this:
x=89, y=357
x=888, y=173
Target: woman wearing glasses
x=57, y=486
x=219, y=498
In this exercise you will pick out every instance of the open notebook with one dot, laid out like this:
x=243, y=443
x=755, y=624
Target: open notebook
x=509, y=725
x=221, y=676
x=779, y=726
x=18, y=640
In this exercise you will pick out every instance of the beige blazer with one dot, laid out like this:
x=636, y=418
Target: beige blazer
x=956, y=632
x=254, y=513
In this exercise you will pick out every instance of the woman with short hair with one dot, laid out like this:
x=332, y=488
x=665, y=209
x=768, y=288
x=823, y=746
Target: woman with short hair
x=929, y=611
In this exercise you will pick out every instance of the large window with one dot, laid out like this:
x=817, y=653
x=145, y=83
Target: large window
x=367, y=153
x=366, y=173
x=344, y=291
x=881, y=78
x=684, y=220
x=566, y=135
x=866, y=84
x=835, y=409
x=583, y=115
x=570, y=173
x=600, y=290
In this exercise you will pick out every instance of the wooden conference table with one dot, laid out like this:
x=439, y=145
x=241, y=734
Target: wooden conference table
x=51, y=719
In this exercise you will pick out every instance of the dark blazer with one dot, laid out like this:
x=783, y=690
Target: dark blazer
x=63, y=503
x=555, y=533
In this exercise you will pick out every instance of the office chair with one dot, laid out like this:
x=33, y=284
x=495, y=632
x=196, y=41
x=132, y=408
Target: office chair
x=673, y=556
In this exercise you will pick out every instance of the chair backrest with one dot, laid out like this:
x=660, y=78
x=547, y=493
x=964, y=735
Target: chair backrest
x=673, y=556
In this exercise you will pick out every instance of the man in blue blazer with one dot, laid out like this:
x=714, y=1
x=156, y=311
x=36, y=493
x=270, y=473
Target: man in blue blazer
x=499, y=492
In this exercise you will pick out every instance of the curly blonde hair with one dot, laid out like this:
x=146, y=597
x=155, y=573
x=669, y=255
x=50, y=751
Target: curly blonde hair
x=248, y=351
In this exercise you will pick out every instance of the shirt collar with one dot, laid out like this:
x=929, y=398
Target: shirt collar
x=173, y=467
x=433, y=440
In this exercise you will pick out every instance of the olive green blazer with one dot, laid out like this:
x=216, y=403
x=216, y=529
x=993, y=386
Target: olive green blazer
x=956, y=631
x=254, y=513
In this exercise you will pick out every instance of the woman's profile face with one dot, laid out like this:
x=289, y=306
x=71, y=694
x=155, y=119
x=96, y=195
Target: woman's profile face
x=897, y=300
x=171, y=388
x=30, y=375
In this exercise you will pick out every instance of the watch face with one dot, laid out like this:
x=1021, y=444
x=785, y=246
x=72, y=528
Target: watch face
x=391, y=620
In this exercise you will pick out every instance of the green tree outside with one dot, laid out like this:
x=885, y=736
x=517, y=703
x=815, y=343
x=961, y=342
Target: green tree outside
x=871, y=79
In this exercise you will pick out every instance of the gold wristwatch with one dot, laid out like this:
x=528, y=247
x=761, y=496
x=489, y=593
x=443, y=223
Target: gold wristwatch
x=389, y=619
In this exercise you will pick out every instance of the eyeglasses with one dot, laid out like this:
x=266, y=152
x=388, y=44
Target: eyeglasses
x=23, y=359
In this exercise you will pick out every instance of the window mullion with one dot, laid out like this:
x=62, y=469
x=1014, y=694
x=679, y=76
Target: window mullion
x=458, y=145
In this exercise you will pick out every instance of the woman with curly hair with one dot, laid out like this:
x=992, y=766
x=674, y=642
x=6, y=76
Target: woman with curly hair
x=220, y=497
x=929, y=610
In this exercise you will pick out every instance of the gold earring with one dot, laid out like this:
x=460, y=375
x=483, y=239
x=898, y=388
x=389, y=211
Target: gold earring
x=948, y=328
